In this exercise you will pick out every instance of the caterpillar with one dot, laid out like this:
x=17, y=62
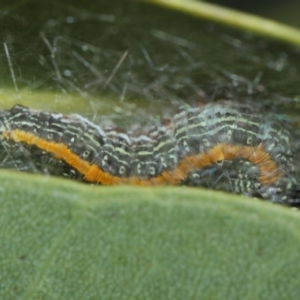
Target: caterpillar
x=222, y=145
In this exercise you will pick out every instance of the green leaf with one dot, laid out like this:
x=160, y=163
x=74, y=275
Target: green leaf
x=63, y=240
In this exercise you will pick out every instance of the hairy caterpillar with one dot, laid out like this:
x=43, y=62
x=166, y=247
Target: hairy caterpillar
x=221, y=145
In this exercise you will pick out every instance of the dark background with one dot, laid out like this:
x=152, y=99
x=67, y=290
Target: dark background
x=284, y=11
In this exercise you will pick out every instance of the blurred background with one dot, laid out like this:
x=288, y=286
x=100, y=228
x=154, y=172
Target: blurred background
x=284, y=11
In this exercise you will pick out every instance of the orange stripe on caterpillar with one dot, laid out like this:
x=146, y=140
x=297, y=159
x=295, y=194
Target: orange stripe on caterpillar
x=269, y=172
